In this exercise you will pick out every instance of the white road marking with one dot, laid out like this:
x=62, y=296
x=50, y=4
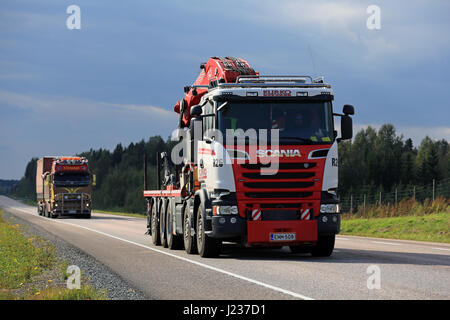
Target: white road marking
x=278, y=289
x=339, y=238
x=389, y=243
x=441, y=249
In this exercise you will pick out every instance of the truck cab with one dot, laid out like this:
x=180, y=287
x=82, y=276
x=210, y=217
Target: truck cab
x=265, y=191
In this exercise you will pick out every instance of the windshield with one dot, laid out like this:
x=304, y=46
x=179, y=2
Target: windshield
x=71, y=179
x=297, y=122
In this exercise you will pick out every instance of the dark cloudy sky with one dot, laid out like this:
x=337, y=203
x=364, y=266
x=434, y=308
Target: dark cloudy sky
x=117, y=78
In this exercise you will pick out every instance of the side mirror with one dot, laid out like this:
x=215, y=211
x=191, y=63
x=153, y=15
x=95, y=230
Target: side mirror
x=196, y=111
x=348, y=110
x=346, y=127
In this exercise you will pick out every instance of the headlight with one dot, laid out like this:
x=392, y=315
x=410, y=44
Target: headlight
x=79, y=197
x=225, y=210
x=87, y=204
x=66, y=197
x=56, y=204
x=329, y=208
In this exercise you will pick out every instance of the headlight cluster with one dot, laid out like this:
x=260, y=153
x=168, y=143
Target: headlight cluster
x=329, y=208
x=225, y=210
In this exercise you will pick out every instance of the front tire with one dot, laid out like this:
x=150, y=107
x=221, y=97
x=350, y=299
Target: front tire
x=173, y=241
x=207, y=247
x=324, y=246
x=190, y=243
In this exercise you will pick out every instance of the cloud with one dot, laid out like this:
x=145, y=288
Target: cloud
x=33, y=126
x=67, y=105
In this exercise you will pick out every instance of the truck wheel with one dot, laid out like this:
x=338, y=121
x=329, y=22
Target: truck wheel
x=190, y=243
x=324, y=246
x=207, y=247
x=173, y=241
x=156, y=240
x=162, y=224
x=149, y=220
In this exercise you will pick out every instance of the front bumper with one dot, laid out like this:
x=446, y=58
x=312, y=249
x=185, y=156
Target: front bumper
x=72, y=211
x=329, y=223
x=228, y=227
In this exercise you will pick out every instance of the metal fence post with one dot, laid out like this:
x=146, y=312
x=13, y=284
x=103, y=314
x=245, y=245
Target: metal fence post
x=434, y=184
x=351, y=203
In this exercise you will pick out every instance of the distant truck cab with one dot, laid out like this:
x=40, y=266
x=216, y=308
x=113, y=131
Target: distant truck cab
x=63, y=187
x=220, y=191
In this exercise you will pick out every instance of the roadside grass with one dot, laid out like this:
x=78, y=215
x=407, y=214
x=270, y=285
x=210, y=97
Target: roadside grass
x=405, y=207
x=408, y=220
x=118, y=213
x=84, y=293
x=29, y=202
x=433, y=227
x=30, y=270
x=21, y=258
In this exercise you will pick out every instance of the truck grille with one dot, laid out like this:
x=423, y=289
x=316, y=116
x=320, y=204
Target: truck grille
x=293, y=180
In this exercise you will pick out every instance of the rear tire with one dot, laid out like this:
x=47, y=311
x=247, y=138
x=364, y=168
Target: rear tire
x=156, y=240
x=149, y=219
x=53, y=216
x=190, y=243
x=207, y=247
x=324, y=246
x=174, y=242
x=162, y=223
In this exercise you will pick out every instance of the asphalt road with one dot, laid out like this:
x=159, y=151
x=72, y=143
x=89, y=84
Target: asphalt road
x=407, y=269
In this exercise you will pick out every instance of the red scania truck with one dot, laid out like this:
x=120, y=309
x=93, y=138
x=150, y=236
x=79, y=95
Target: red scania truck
x=273, y=180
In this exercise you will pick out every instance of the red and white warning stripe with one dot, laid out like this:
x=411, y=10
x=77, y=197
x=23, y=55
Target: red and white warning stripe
x=305, y=215
x=256, y=214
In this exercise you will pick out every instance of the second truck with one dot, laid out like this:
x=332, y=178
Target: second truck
x=63, y=187
x=219, y=192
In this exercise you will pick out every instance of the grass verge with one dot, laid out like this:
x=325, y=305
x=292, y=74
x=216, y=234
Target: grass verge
x=433, y=227
x=29, y=269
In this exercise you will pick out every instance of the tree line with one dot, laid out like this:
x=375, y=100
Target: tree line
x=381, y=161
x=375, y=160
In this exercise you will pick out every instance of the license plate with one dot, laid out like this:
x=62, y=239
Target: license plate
x=72, y=211
x=282, y=237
